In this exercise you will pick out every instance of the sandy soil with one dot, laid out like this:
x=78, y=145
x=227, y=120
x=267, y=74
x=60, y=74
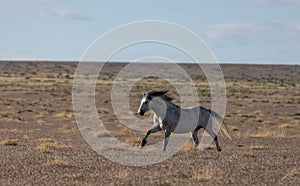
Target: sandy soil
x=40, y=143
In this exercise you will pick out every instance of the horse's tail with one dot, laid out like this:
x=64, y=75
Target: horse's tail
x=217, y=118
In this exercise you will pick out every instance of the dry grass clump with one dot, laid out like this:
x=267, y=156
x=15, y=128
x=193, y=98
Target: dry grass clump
x=164, y=184
x=207, y=174
x=179, y=175
x=50, y=140
x=291, y=173
x=248, y=116
x=64, y=114
x=48, y=145
x=125, y=131
x=259, y=120
x=26, y=137
x=286, y=126
x=134, y=141
x=232, y=128
x=9, y=142
x=122, y=174
x=279, y=133
x=61, y=162
x=8, y=130
x=107, y=133
x=259, y=112
x=258, y=147
x=189, y=146
x=40, y=121
x=267, y=123
x=247, y=154
x=65, y=129
x=239, y=111
x=101, y=134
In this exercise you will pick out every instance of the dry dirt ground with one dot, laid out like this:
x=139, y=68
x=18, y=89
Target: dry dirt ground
x=40, y=143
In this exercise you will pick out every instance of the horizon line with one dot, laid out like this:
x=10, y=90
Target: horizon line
x=233, y=62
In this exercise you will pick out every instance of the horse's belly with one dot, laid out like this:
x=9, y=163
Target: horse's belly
x=182, y=130
x=185, y=126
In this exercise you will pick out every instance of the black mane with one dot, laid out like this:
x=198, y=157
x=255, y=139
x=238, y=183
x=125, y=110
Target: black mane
x=161, y=94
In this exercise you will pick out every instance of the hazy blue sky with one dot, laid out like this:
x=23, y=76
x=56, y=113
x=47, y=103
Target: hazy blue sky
x=250, y=31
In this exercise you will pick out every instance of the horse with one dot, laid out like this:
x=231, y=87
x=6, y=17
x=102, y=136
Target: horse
x=173, y=119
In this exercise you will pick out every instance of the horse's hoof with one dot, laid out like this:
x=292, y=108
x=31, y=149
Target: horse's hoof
x=143, y=143
x=219, y=149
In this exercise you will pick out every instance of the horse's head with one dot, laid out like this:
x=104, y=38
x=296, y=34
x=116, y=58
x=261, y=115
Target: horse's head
x=145, y=102
x=144, y=106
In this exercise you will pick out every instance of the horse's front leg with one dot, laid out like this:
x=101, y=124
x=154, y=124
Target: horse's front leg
x=166, y=140
x=154, y=129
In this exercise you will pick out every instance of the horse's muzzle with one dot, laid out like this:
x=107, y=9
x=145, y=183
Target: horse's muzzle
x=141, y=113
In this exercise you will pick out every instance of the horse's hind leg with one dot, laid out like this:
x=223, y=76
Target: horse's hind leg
x=195, y=135
x=167, y=136
x=214, y=136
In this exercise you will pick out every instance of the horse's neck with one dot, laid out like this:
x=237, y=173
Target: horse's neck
x=159, y=107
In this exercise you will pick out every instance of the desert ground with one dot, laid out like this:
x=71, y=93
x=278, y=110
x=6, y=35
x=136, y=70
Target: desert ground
x=40, y=143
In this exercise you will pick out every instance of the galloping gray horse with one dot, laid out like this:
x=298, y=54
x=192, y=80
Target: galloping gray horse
x=171, y=118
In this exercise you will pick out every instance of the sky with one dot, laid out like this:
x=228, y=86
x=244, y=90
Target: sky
x=237, y=31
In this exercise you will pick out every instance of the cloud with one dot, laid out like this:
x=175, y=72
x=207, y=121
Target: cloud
x=237, y=34
x=63, y=13
x=24, y=1
x=36, y=5
x=279, y=1
x=5, y=20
